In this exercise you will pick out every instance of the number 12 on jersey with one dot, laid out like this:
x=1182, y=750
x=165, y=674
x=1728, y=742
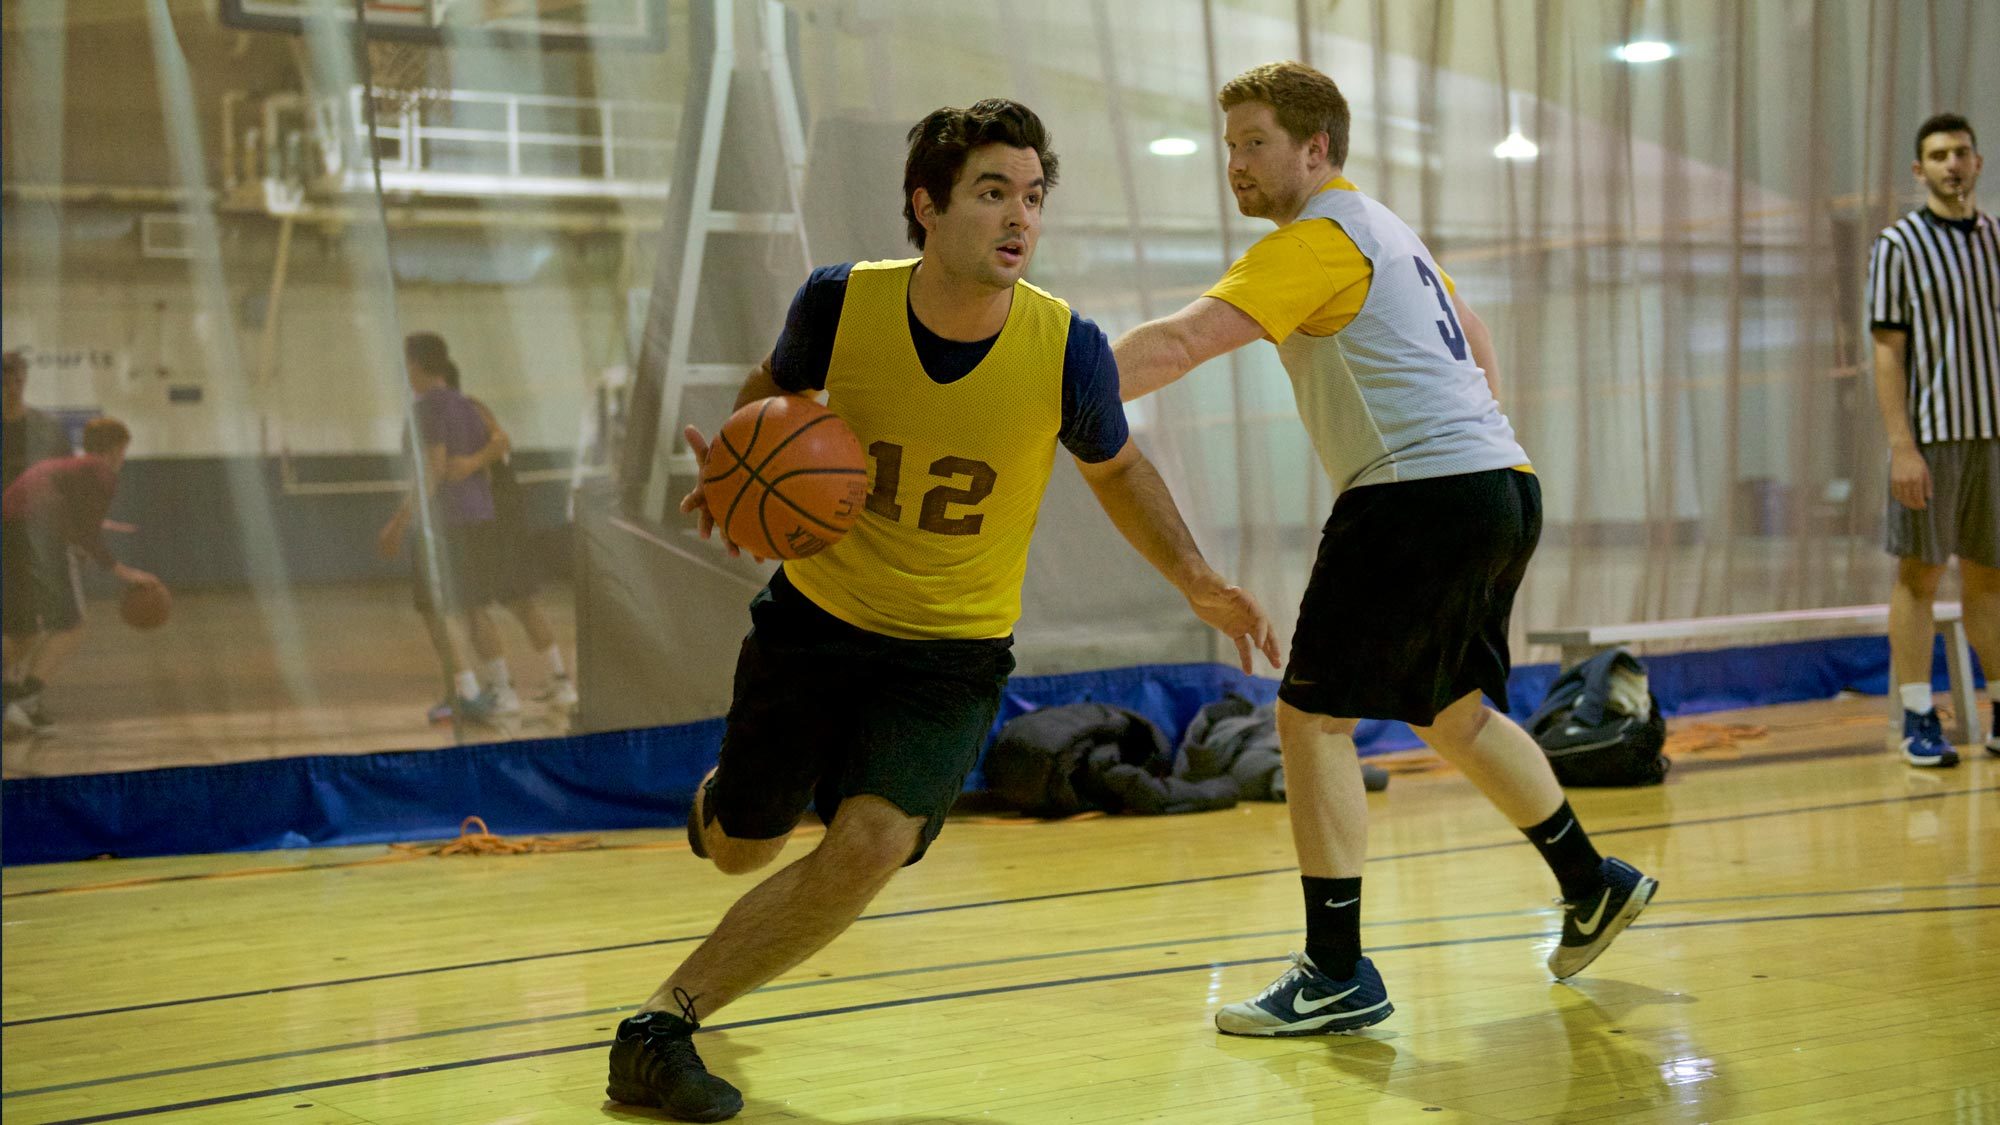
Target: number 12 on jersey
x=933, y=516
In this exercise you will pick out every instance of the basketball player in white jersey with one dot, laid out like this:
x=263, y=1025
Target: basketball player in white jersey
x=1438, y=510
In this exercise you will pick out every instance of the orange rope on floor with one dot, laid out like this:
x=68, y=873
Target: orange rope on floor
x=484, y=842
x=1692, y=738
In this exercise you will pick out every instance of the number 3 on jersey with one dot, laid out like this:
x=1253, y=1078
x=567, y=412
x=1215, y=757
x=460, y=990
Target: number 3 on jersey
x=933, y=516
x=1454, y=336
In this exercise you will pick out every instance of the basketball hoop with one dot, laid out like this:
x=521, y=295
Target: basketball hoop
x=412, y=76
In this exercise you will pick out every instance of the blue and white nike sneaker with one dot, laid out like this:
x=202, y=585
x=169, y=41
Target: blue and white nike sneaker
x=1589, y=925
x=1306, y=1001
x=1924, y=743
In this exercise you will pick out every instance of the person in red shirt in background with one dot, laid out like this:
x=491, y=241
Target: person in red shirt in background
x=54, y=514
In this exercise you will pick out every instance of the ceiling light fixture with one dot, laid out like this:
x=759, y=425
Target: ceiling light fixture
x=1172, y=146
x=1644, y=51
x=1517, y=147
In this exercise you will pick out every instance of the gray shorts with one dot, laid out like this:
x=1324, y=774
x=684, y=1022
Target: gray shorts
x=1964, y=514
x=43, y=591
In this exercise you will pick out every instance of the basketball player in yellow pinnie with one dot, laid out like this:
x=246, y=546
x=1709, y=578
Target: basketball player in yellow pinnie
x=873, y=669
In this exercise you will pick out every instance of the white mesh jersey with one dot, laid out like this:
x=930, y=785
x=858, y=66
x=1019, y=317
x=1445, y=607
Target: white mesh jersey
x=1395, y=394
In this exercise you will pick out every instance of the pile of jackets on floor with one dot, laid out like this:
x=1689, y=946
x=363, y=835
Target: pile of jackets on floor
x=1079, y=757
x=1600, y=725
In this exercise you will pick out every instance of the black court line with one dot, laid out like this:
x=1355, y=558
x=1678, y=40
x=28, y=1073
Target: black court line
x=397, y=975
x=1461, y=849
x=945, y=997
x=924, y=970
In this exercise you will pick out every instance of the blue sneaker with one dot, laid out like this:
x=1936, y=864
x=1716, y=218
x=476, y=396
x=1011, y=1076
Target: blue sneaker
x=1589, y=925
x=1923, y=740
x=481, y=708
x=1305, y=1001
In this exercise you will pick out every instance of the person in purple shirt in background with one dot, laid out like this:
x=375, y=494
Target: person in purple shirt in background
x=515, y=578
x=467, y=542
x=53, y=515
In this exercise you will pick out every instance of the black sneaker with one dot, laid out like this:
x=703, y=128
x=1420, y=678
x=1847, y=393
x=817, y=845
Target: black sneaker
x=1589, y=926
x=653, y=1063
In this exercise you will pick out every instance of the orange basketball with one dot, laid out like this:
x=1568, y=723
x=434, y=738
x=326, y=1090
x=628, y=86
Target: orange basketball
x=146, y=605
x=785, y=478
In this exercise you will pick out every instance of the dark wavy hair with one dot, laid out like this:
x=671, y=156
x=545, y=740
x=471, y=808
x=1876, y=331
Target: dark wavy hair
x=940, y=143
x=1945, y=123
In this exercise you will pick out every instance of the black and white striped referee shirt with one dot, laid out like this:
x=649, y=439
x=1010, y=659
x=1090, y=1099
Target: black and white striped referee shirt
x=1939, y=280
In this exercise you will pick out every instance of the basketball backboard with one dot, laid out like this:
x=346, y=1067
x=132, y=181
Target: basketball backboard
x=546, y=23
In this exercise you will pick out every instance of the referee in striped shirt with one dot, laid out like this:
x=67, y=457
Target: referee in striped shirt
x=1934, y=307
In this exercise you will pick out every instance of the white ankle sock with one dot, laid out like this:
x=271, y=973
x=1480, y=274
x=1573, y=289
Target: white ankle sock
x=554, y=656
x=1916, y=698
x=468, y=685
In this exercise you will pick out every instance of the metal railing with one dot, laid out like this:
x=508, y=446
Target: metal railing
x=474, y=142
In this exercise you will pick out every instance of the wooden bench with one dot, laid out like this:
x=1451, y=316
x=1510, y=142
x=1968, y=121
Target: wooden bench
x=1580, y=644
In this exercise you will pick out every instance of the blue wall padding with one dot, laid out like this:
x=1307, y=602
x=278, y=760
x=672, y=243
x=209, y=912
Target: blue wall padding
x=642, y=778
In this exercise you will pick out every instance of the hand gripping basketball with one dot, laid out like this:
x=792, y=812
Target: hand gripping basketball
x=785, y=478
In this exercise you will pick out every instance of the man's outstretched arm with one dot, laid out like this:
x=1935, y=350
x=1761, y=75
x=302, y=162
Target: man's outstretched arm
x=1160, y=351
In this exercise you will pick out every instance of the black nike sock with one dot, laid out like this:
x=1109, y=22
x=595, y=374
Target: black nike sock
x=1567, y=849
x=1333, y=924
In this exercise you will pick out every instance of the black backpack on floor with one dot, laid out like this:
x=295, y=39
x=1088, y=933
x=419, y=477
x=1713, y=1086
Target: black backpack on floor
x=1591, y=744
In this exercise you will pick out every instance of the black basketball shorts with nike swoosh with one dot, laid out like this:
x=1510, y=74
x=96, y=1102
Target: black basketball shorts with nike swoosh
x=1407, y=608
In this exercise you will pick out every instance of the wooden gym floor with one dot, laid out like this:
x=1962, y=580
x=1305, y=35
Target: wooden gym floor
x=1826, y=947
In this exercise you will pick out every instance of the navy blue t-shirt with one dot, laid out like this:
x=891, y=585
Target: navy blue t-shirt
x=1093, y=419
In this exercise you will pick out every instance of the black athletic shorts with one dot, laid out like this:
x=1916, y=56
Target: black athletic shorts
x=469, y=557
x=824, y=710
x=1406, y=611
x=517, y=572
x=43, y=591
